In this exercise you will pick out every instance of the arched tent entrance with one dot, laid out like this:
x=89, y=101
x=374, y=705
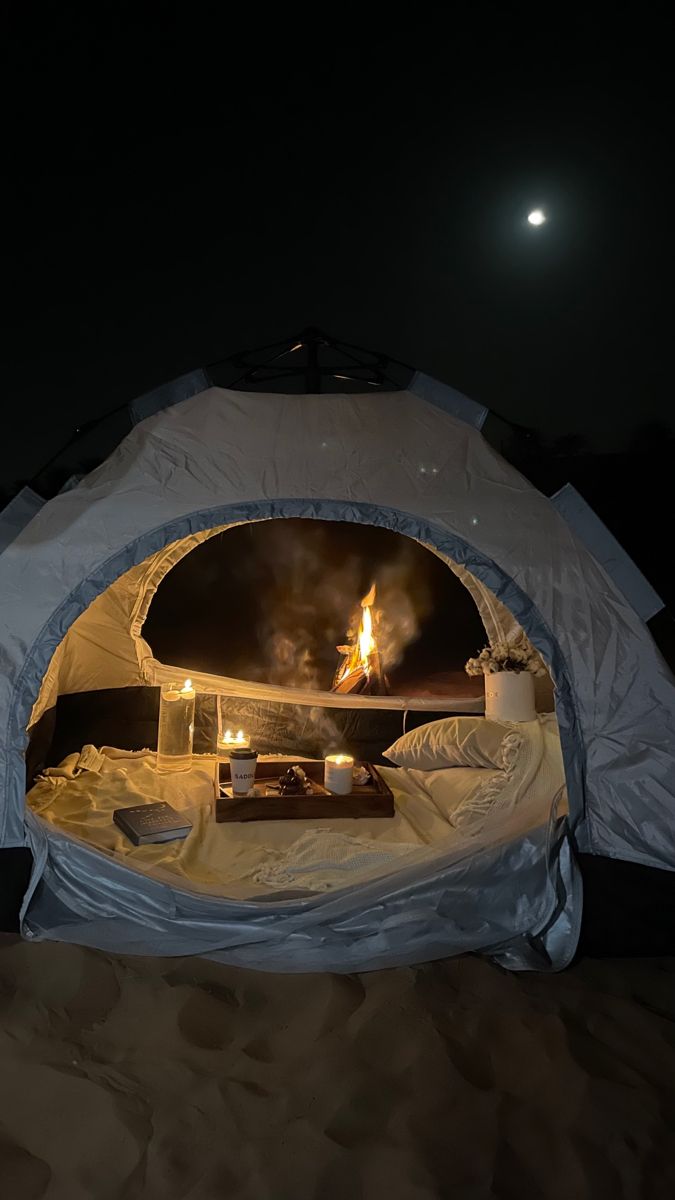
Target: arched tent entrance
x=106, y=642
x=392, y=459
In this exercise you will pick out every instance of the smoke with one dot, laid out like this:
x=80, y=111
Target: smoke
x=317, y=725
x=309, y=583
x=311, y=587
x=402, y=603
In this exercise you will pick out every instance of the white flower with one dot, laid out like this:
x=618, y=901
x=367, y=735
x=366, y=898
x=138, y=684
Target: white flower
x=474, y=667
x=517, y=657
x=513, y=656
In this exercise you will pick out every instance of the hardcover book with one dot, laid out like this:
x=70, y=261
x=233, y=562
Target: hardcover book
x=146, y=823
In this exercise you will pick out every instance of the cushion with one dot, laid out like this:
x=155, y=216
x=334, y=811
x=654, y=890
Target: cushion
x=455, y=788
x=452, y=742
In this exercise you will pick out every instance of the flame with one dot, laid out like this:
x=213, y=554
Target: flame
x=359, y=655
x=366, y=639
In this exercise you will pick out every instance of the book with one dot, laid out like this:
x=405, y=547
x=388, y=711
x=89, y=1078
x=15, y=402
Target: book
x=146, y=823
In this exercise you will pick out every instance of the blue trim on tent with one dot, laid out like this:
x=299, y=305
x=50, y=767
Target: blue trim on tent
x=169, y=394
x=448, y=399
x=607, y=550
x=39, y=656
x=425, y=387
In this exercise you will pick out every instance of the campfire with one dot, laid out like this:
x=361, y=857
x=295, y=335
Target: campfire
x=361, y=668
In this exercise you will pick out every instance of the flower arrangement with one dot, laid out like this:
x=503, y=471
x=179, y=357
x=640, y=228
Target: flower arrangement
x=505, y=656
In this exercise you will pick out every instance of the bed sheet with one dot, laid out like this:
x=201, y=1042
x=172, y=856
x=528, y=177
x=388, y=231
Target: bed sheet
x=225, y=859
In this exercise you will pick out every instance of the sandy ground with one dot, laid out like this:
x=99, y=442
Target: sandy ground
x=175, y=1078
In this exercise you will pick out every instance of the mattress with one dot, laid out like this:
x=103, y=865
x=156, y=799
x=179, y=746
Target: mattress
x=234, y=859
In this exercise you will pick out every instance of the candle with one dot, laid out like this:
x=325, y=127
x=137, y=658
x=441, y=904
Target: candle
x=338, y=774
x=232, y=741
x=176, y=728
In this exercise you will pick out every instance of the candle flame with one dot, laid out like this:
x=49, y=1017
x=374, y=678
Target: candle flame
x=187, y=685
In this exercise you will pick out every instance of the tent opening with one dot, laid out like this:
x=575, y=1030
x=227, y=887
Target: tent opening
x=267, y=617
x=264, y=617
x=280, y=602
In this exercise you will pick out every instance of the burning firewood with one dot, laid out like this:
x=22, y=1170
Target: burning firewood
x=361, y=668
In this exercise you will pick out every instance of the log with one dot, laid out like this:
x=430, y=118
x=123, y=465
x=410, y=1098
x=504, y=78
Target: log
x=358, y=683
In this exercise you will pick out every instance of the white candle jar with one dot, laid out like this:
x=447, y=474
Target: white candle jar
x=176, y=728
x=338, y=774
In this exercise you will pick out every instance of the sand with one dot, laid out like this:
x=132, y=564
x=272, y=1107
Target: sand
x=167, y=1078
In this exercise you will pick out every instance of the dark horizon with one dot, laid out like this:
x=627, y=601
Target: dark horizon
x=171, y=205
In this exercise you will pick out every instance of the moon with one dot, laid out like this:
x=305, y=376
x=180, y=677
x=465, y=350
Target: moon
x=536, y=217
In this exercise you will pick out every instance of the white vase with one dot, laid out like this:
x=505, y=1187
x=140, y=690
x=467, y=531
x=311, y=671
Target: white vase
x=509, y=696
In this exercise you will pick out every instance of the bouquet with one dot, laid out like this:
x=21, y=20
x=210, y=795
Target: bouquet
x=506, y=656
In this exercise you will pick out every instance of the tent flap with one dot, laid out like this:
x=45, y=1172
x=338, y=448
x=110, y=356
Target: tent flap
x=17, y=514
x=168, y=394
x=447, y=398
x=586, y=524
x=424, y=911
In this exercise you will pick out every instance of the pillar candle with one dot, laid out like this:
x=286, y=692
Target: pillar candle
x=176, y=728
x=338, y=774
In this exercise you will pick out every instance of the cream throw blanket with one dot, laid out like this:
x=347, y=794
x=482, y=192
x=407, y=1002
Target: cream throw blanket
x=321, y=860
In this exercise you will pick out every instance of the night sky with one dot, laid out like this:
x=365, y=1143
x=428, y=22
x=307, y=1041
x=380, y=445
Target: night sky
x=182, y=187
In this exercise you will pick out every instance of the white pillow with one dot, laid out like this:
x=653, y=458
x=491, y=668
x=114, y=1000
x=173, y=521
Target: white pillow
x=456, y=788
x=452, y=742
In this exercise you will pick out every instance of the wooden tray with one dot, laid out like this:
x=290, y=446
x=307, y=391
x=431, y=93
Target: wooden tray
x=373, y=799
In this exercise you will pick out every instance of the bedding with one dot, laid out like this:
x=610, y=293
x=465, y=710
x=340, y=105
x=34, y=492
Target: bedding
x=438, y=811
x=454, y=742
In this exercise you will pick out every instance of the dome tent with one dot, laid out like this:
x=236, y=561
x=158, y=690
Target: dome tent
x=76, y=584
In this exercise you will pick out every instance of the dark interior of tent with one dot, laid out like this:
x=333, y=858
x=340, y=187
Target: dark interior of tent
x=271, y=602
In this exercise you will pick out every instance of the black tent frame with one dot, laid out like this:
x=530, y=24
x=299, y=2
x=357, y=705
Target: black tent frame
x=319, y=363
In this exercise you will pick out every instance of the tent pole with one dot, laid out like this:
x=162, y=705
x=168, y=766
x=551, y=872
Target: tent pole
x=313, y=376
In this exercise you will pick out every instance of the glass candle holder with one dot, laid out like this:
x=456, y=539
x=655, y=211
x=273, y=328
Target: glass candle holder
x=176, y=727
x=232, y=740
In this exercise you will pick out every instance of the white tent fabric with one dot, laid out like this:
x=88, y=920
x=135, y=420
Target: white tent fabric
x=168, y=394
x=604, y=547
x=390, y=459
x=449, y=399
x=17, y=514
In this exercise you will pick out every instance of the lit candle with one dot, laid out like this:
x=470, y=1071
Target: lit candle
x=338, y=774
x=233, y=741
x=176, y=728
